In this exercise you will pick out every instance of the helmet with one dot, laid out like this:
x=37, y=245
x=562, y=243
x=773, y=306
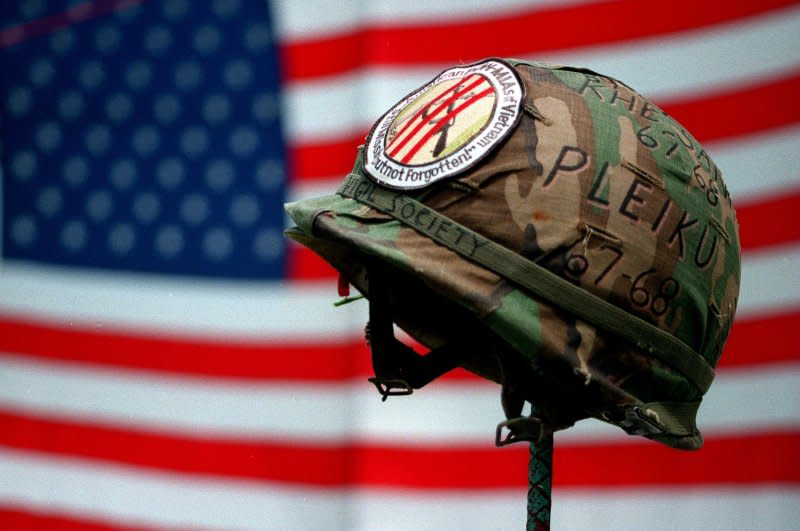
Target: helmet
x=547, y=228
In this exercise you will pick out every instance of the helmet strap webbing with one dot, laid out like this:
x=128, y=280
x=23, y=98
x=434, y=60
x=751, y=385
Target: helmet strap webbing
x=532, y=277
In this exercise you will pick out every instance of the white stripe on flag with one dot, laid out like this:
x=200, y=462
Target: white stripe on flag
x=292, y=20
x=137, y=498
x=755, y=398
x=699, y=61
x=698, y=509
x=769, y=280
x=759, y=165
x=162, y=304
x=141, y=498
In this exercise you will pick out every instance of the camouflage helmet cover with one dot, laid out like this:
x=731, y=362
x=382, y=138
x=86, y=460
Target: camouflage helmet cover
x=579, y=175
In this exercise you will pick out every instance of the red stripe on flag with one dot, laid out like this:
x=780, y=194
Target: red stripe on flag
x=522, y=33
x=744, y=459
x=770, y=220
x=304, y=264
x=18, y=518
x=324, y=159
x=764, y=340
x=736, y=460
x=741, y=111
x=753, y=342
x=294, y=462
x=229, y=358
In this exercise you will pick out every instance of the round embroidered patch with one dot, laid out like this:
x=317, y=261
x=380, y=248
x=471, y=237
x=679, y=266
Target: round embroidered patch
x=446, y=126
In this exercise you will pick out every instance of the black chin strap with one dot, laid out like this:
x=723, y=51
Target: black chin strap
x=399, y=369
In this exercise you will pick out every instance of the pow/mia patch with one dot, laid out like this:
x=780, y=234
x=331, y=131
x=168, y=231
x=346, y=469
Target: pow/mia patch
x=446, y=126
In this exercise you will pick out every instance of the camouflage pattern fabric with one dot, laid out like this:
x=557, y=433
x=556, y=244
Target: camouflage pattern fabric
x=592, y=182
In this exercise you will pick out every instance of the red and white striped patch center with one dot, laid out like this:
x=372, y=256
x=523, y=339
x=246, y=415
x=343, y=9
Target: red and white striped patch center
x=446, y=126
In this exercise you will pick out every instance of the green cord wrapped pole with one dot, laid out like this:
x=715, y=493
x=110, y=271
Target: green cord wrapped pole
x=540, y=475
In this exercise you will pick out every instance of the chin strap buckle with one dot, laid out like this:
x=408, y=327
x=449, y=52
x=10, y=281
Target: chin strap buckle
x=391, y=387
x=641, y=421
x=519, y=429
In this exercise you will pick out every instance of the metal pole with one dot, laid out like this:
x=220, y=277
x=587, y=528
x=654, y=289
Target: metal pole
x=540, y=475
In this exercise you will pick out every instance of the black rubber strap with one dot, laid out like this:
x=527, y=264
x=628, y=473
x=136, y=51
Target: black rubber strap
x=534, y=278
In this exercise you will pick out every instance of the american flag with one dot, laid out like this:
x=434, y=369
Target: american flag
x=167, y=360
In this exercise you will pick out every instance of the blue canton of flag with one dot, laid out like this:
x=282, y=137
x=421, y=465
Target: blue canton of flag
x=142, y=136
